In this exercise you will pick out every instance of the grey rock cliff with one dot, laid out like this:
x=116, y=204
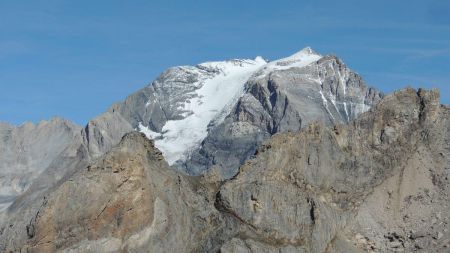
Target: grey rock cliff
x=104, y=132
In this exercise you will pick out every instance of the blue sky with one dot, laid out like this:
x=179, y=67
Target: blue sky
x=75, y=58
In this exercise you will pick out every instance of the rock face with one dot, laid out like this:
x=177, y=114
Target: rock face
x=127, y=201
x=34, y=159
x=377, y=184
x=104, y=132
x=29, y=152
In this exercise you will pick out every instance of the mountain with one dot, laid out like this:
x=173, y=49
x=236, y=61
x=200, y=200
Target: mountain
x=376, y=184
x=284, y=95
x=218, y=113
x=214, y=114
x=208, y=118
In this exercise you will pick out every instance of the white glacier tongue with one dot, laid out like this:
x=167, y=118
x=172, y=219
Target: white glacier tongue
x=216, y=94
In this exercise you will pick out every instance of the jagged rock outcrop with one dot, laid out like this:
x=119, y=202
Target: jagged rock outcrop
x=377, y=184
x=127, y=201
x=104, y=132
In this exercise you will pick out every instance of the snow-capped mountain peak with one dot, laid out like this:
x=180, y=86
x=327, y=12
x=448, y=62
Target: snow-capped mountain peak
x=306, y=55
x=186, y=103
x=300, y=59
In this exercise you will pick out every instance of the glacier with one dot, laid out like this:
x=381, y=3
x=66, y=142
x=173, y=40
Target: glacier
x=212, y=100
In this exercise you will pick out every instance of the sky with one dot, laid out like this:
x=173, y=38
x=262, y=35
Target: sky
x=74, y=59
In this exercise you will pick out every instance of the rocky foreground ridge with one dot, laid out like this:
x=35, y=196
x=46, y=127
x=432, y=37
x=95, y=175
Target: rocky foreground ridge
x=377, y=184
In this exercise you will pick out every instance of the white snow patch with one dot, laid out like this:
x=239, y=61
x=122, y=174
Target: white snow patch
x=364, y=108
x=149, y=133
x=149, y=102
x=325, y=103
x=342, y=79
x=359, y=108
x=333, y=100
x=346, y=112
x=300, y=59
x=343, y=83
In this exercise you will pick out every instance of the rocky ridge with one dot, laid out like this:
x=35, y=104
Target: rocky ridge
x=377, y=184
